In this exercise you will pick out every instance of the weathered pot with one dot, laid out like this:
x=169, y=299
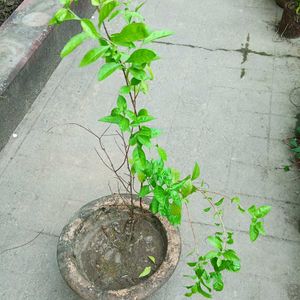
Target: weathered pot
x=281, y=3
x=289, y=25
x=82, y=250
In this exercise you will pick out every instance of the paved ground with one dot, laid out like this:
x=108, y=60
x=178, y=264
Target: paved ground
x=222, y=95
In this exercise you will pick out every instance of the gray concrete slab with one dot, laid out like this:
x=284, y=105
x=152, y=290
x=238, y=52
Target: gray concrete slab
x=234, y=125
x=29, y=54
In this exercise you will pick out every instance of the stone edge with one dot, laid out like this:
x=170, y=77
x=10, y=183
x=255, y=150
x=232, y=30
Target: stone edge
x=27, y=78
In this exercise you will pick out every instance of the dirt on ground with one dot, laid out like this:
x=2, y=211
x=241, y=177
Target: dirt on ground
x=7, y=7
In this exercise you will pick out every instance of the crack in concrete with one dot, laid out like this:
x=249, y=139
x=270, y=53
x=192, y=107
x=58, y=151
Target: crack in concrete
x=241, y=50
x=245, y=52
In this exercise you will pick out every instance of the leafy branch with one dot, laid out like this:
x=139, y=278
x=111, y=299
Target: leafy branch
x=138, y=172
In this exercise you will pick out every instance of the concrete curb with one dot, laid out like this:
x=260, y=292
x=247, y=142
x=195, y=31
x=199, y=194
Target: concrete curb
x=29, y=53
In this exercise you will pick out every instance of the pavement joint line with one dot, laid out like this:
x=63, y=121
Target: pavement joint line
x=267, y=236
x=268, y=198
x=270, y=114
x=241, y=50
x=224, y=194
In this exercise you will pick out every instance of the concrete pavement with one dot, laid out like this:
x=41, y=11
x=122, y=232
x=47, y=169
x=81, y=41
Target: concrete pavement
x=222, y=96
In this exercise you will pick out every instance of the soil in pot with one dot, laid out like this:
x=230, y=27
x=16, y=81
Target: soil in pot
x=7, y=7
x=289, y=25
x=115, y=252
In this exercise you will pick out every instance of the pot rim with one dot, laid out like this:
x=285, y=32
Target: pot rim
x=71, y=274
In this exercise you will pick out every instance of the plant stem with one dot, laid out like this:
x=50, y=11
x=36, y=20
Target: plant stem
x=217, y=212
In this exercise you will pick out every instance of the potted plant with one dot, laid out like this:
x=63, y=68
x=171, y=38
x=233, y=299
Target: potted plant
x=126, y=245
x=289, y=25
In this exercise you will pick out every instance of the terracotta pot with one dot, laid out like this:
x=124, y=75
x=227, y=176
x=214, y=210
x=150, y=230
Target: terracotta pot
x=289, y=25
x=93, y=272
x=281, y=3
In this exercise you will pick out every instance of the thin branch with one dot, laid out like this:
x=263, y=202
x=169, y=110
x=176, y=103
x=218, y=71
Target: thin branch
x=22, y=245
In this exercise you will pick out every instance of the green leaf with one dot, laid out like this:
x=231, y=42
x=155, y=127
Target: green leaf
x=124, y=90
x=196, y=172
x=241, y=209
x=143, y=112
x=188, y=295
x=73, y=43
x=144, y=140
x=260, y=227
x=187, y=188
x=207, y=209
x=106, y=10
x=202, y=292
x=254, y=233
x=252, y=210
x=218, y=284
x=131, y=33
x=124, y=124
x=159, y=194
x=211, y=254
x=145, y=190
x=262, y=211
x=155, y=132
x=152, y=258
x=155, y=35
x=95, y=2
x=146, y=272
x=92, y=55
x=154, y=206
x=215, y=241
x=231, y=255
x=235, y=200
x=115, y=13
x=219, y=202
x=175, y=214
x=162, y=153
x=65, y=2
x=142, y=119
x=121, y=103
x=138, y=74
x=139, y=158
x=142, y=56
x=112, y=119
x=140, y=6
x=232, y=266
x=129, y=15
x=175, y=175
x=88, y=26
x=107, y=69
x=62, y=15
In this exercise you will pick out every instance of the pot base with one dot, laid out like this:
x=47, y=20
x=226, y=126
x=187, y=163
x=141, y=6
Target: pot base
x=101, y=257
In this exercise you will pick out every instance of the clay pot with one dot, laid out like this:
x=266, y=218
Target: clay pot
x=289, y=25
x=281, y=3
x=100, y=256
